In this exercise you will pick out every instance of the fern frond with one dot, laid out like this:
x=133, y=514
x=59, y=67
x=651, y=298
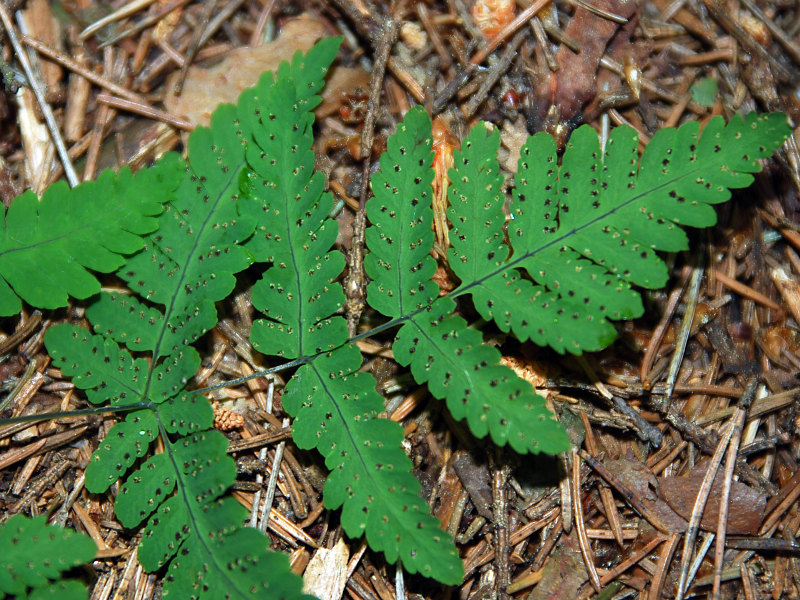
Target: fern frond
x=586, y=230
x=30, y=567
x=296, y=293
x=441, y=350
x=183, y=269
x=371, y=476
x=72, y=231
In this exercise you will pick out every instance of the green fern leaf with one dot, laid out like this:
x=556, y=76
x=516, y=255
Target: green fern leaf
x=585, y=231
x=400, y=237
x=72, y=231
x=298, y=295
x=370, y=474
x=441, y=350
x=29, y=566
x=184, y=268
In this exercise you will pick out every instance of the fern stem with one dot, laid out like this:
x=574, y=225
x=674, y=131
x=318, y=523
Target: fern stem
x=76, y=413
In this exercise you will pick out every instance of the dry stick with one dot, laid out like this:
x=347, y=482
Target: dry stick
x=721, y=16
x=686, y=328
x=144, y=23
x=126, y=10
x=79, y=90
x=445, y=59
x=500, y=514
x=700, y=556
x=496, y=72
x=644, y=430
x=196, y=42
x=269, y=498
x=70, y=64
x=730, y=463
x=105, y=114
x=630, y=496
x=661, y=569
x=23, y=331
x=257, y=37
x=624, y=565
x=540, y=34
x=747, y=582
x=745, y=291
x=355, y=282
x=33, y=82
x=565, y=491
x=206, y=35
x=697, y=511
x=464, y=74
x=522, y=18
x=262, y=455
x=707, y=441
x=658, y=335
x=607, y=497
x=145, y=111
x=580, y=526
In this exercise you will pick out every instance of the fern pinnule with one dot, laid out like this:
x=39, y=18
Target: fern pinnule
x=400, y=238
x=48, y=246
x=31, y=566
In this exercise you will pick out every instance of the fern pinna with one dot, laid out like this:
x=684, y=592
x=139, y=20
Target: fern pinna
x=47, y=245
x=583, y=232
x=35, y=555
x=145, y=341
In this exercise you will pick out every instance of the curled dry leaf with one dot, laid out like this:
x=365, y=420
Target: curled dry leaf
x=564, y=572
x=205, y=88
x=745, y=509
x=575, y=83
x=474, y=476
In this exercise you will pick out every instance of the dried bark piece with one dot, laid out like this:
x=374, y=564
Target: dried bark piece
x=475, y=478
x=640, y=479
x=326, y=574
x=575, y=83
x=746, y=505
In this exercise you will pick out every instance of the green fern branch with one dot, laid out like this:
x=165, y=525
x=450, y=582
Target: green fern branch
x=583, y=234
x=72, y=231
x=184, y=268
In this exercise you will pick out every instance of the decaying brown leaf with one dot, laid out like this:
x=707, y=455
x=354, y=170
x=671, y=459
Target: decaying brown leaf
x=746, y=507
